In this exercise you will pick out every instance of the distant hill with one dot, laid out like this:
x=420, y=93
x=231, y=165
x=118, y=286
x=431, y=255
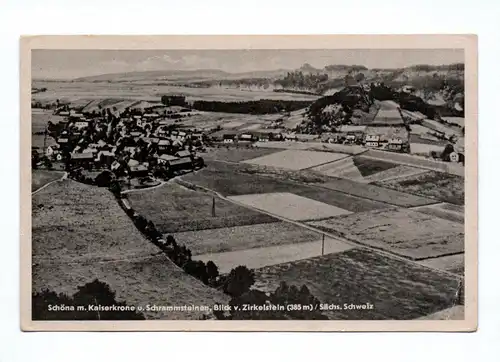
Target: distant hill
x=180, y=75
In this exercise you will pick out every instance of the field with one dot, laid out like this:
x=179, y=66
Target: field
x=236, y=154
x=395, y=172
x=80, y=233
x=313, y=146
x=437, y=185
x=290, y=206
x=230, y=180
x=452, y=263
x=73, y=91
x=446, y=211
x=174, y=208
x=40, y=118
x=296, y=160
x=377, y=193
x=357, y=168
x=368, y=167
x=425, y=148
x=427, y=140
x=396, y=289
x=400, y=231
x=244, y=237
x=43, y=177
x=344, y=168
x=272, y=255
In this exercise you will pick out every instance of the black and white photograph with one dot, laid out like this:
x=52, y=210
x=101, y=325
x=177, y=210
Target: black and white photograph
x=318, y=185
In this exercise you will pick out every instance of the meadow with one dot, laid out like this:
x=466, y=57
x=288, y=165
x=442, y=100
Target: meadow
x=234, y=180
x=432, y=184
x=244, y=237
x=174, y=208
x=80, y=233
x=398, y=290
x=403, y=232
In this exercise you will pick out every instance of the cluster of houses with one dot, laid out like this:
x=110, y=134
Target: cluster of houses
x=133, y=145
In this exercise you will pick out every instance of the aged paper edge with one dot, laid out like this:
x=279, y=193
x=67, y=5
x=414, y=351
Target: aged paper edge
x=468, y=42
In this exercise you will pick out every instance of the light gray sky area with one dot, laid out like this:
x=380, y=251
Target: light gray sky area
x=68, y=64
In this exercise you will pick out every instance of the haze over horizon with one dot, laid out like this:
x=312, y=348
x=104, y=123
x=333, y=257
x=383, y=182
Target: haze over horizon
x=70, y=64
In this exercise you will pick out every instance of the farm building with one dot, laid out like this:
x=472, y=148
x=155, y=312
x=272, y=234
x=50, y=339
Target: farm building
x=164, y=145
x=116, y=167
x=151, y=140
x=136, y=134
x=246, y=137
x=197, y=136
x=63, y=141
x=350, y=138
x=81, y=124
x=395, y=138
x=140, y=170
x=52, y=150
x=106, y=157
x=306, y=137
x=372, y=140
x=180, y=164
x=166, y=159
x=183, y=153
x=229, y=138
x=82, y=159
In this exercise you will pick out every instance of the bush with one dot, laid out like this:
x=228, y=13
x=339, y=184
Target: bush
x=239, y=281
x=95, y=293
x=197, y=269
x=282, y=297
x=104, y=179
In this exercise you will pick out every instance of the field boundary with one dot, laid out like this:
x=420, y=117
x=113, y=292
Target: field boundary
x=380, y=251
x=327, y=163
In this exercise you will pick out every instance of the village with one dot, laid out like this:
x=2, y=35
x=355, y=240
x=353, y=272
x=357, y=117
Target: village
x=138, y=147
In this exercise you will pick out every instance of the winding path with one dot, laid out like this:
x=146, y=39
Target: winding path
x=63, y=177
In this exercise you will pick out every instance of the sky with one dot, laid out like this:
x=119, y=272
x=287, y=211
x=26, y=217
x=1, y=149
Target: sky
x=69, y=64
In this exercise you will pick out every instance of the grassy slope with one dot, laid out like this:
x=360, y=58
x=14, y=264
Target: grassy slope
x=173, y=208
x=43, y=177
x=438, y=185
x=236, y=154
x=397, y=289
x=80, y=233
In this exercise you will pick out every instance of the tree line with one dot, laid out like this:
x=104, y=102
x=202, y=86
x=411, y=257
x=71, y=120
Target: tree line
x=263, y=106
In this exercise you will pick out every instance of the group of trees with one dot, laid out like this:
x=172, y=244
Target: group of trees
x=338, y=108
x=76, y=306
x=179, y=254
x=263, y=106
x=283, y=296
x=173, y=101
x=299, y=80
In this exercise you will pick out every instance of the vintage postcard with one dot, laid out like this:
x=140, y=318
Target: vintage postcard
x=249, y=183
